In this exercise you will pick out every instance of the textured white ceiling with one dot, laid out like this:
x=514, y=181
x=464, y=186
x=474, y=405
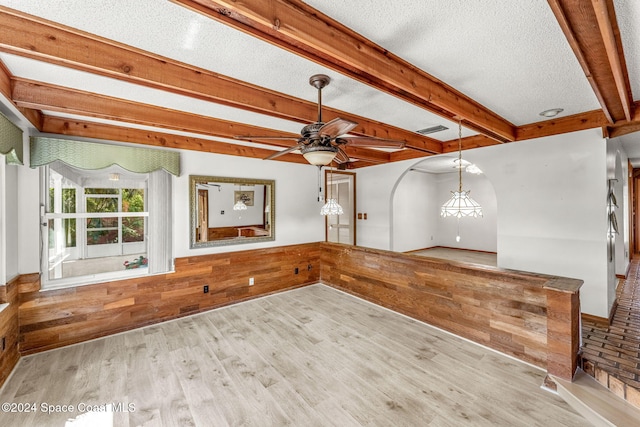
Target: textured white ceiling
x=510, y=56
x=628, y=15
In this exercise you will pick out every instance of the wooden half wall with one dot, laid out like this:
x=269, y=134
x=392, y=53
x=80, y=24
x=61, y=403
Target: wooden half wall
x=532, y=317
x=55, y=318
x=9, y=334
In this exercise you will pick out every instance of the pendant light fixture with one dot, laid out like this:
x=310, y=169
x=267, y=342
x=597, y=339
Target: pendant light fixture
x=240, y=205
x=460, y=204
x=331, y=207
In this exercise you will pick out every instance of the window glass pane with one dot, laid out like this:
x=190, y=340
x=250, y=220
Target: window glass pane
x=69, y=225
x=102, y=223
x=132, y=229
x=132, y=200
x=102, y=204
x=52, y=234
x=102, y=237
x=68, y=200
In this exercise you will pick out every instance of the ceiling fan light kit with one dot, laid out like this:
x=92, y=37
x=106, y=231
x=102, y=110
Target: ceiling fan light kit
x=319, y=156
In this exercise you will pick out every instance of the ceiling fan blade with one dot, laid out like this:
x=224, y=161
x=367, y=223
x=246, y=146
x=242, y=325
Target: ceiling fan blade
x=253, y=138
x=288, y=150
x=341, y=157
x=336, y=127
x=371, y=142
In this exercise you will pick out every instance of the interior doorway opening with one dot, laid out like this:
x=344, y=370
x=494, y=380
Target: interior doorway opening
x=341, y=185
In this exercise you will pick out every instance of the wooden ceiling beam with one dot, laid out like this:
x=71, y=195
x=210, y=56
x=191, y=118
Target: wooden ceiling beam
x=577, y=122
x=87, y=129
x=43, y=96
x=608, y=24
x=620, y=129
x=300, y=29
x=592, y=31
x=5, y=81
x=626, y=129
x=468, y=143
x=36, y=38
x=34, y=116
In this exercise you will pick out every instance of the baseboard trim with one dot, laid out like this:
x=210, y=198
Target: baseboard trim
x=449, y=247
x=601, y=322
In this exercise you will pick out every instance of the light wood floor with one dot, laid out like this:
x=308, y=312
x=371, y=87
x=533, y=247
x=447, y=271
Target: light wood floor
x=308, y=357
x=461, y=255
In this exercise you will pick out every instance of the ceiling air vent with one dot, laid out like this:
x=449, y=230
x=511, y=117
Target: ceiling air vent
x=432, y=129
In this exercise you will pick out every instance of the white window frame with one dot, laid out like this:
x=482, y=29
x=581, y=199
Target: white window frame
x=81, y=215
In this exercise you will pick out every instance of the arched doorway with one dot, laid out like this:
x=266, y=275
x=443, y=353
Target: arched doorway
x=416, y=199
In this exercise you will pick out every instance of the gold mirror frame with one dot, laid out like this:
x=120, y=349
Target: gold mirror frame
x=269, y=217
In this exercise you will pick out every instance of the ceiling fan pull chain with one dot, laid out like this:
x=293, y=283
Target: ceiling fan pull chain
x=319, y=183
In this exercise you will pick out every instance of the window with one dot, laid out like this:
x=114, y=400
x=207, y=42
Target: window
x=97, y=224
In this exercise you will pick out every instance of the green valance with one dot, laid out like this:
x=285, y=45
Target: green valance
x=10, y=141
x=91, y=155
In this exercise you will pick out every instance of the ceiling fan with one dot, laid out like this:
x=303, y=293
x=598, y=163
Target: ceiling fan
x=321, y=143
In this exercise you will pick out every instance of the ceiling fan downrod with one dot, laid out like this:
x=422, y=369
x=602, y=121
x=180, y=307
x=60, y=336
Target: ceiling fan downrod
x=319, y=81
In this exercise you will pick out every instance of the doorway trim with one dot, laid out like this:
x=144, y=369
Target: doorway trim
x=352, y=201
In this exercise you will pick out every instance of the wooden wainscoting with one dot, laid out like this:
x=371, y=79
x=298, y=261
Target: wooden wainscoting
x=50, y=319
x=529, y=316
x=9, y=354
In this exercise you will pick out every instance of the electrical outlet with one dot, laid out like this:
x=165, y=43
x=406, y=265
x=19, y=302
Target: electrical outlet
x=295, y=271
x=251, y=281
x=206, y=289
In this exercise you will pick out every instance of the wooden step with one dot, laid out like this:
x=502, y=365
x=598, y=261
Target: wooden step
x=597, y=403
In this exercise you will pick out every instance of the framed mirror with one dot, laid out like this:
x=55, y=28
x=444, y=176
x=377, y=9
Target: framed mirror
x=231, y=211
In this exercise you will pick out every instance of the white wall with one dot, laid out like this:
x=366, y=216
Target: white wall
x=298, y=218
x=415, y=215
x=374, y=190
x=417, y=223
x=479, y=234
x=551, y=197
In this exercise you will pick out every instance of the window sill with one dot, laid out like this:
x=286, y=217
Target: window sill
x=92, y=279
x=75, y=282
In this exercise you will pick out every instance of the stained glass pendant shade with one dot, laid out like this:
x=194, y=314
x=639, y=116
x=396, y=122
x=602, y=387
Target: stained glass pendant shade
x=239, y=206
x=460, y=204
x=331, y=208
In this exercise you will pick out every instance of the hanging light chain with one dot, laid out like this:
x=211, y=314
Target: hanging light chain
x=460, y=154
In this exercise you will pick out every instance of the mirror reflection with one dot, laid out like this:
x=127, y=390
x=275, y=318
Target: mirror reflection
x=227, y=211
